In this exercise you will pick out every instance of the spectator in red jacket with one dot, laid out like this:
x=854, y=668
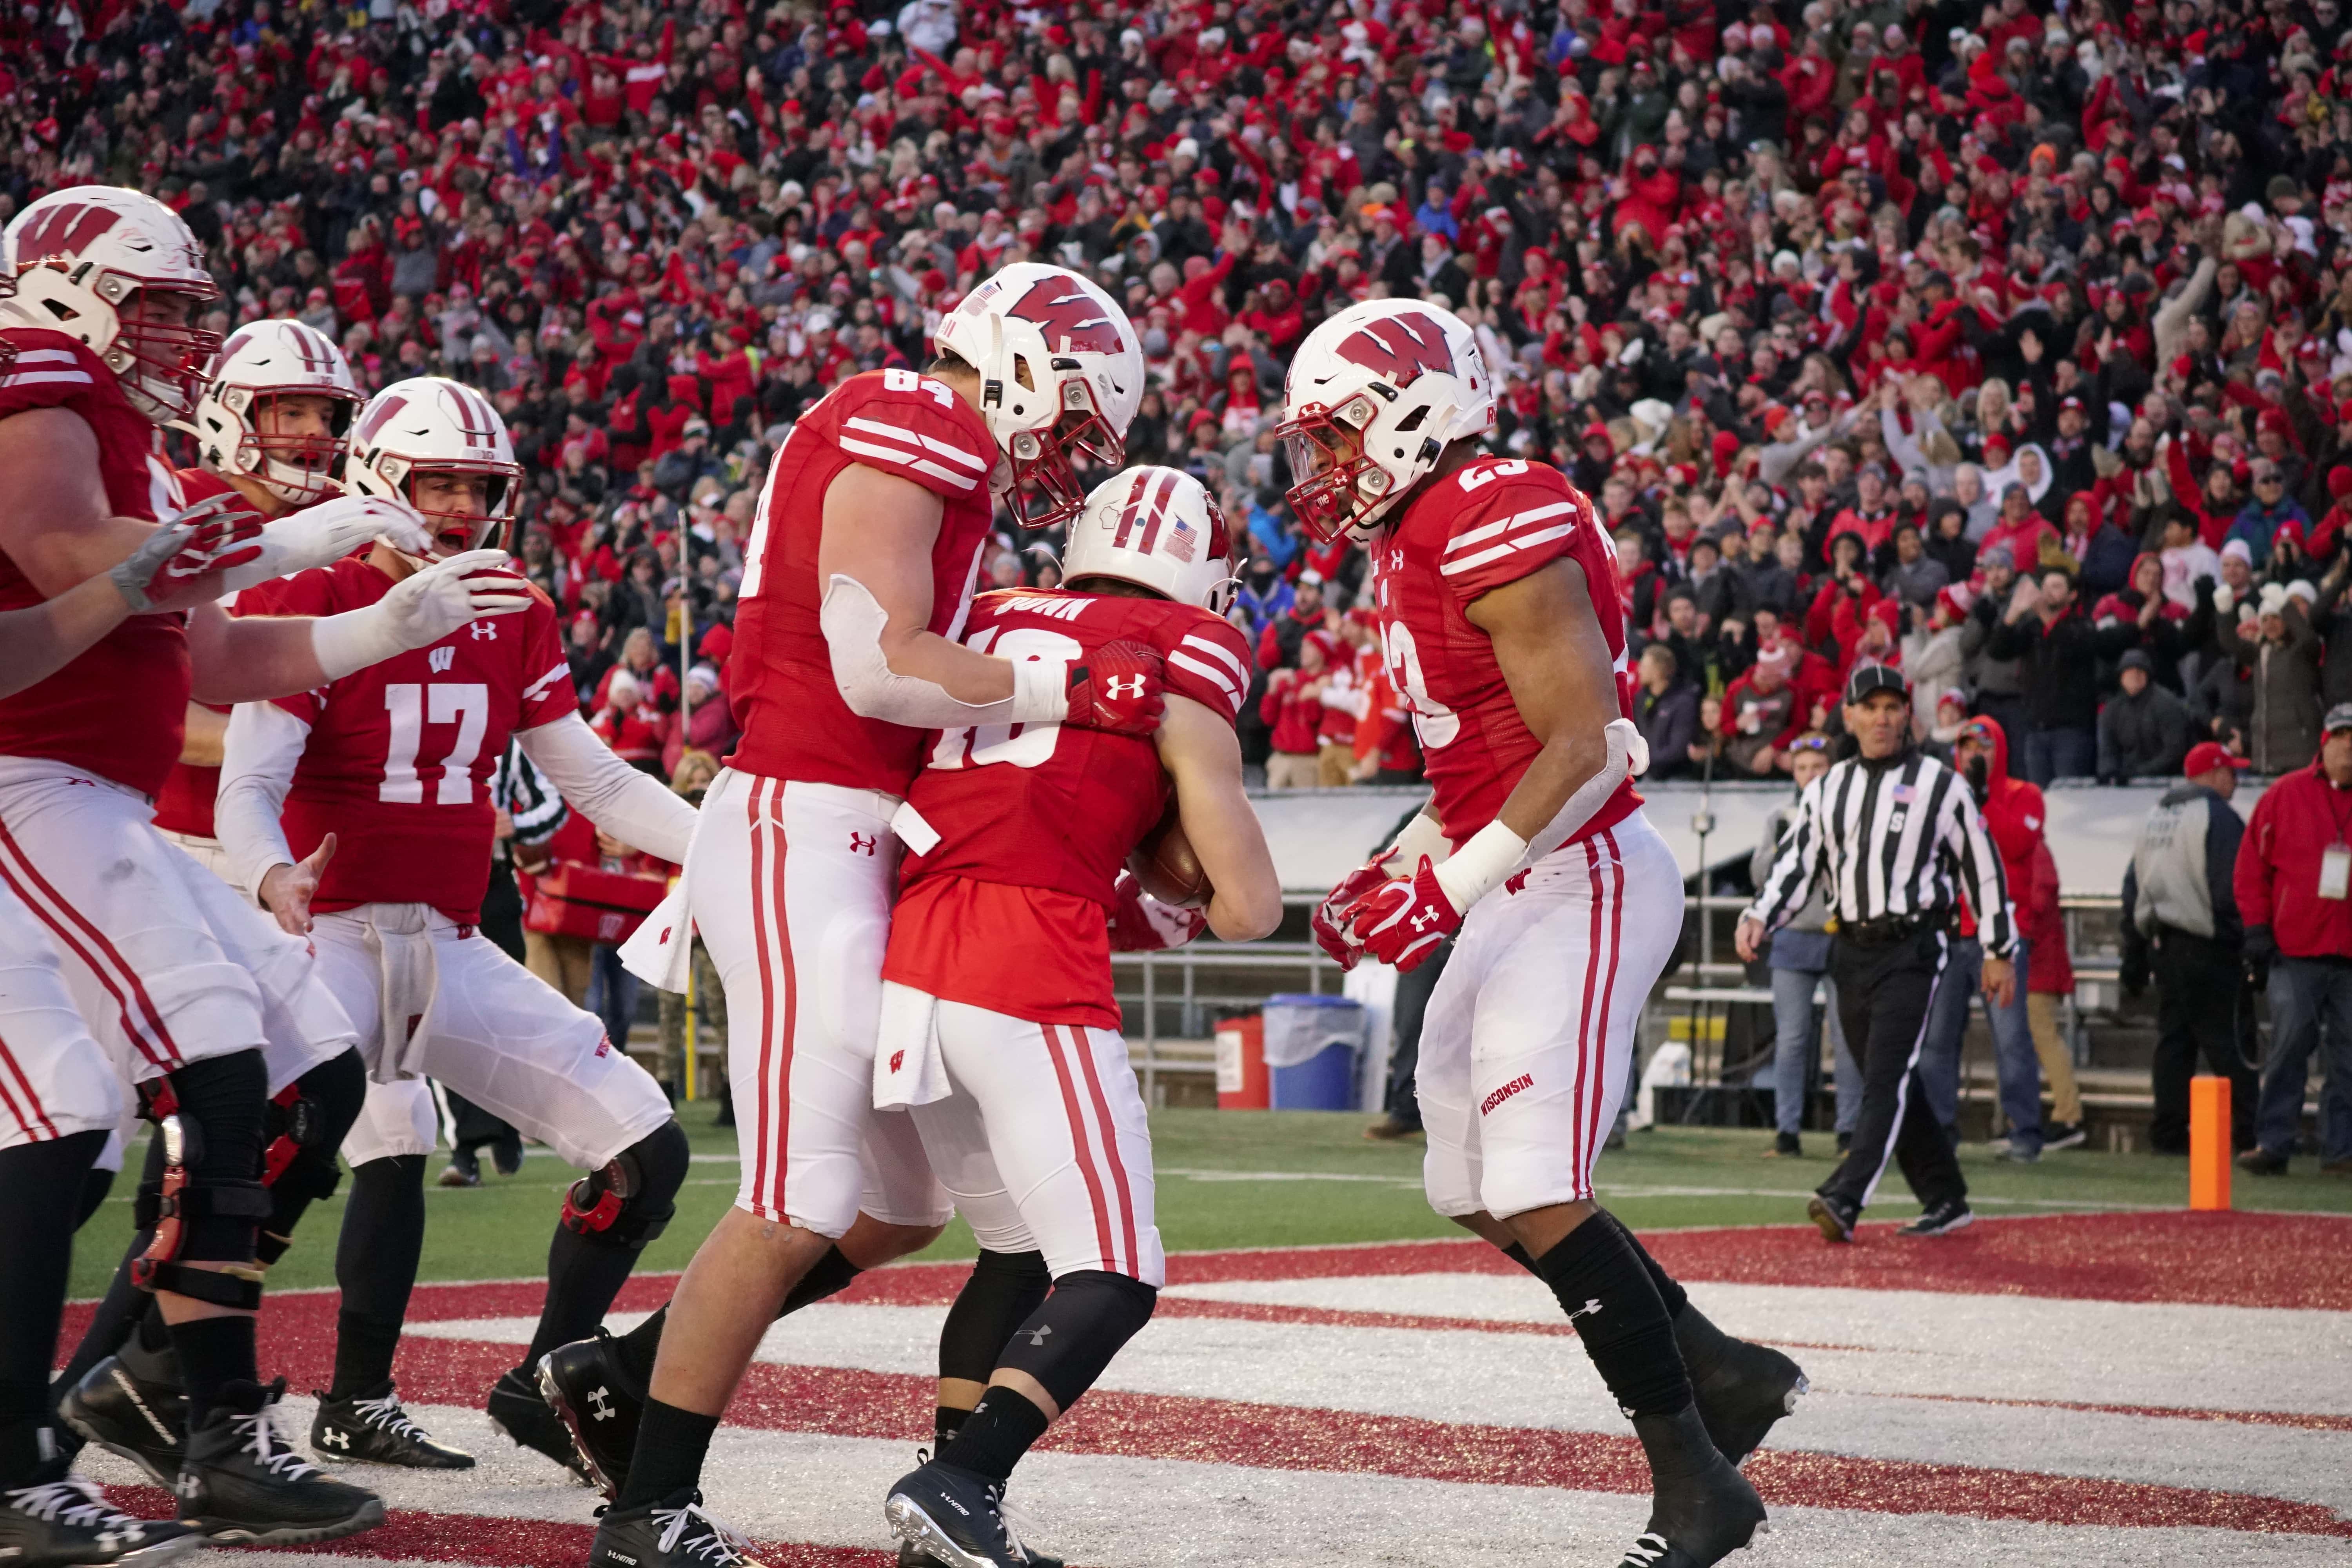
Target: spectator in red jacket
x=2293, y=885
x=1293, y=710
x=1761, y=715
x=630, y=725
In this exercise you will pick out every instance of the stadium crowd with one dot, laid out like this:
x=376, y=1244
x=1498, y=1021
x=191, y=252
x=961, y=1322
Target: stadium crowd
x=2011, y=348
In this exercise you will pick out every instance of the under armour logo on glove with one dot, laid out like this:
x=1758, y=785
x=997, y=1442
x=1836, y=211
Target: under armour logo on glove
x=1118, y=689
x=1330, y=916
x=1401, y=921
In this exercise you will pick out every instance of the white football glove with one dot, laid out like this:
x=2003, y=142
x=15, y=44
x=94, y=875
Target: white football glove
x=191, y=542
x=323, y=534
x=420, y=610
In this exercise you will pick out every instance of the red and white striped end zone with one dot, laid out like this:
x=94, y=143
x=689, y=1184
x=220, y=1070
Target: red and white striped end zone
x=1305, y=1405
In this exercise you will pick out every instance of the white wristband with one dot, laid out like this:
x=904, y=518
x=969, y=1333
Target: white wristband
x=1425, y=834
x=1478, y=868
x=353, y=640
x=1041, y=691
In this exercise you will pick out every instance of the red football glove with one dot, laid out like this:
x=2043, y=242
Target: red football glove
x=1401, y=921
x=1330, y=916
x=1139, y=923
x=1118, y=689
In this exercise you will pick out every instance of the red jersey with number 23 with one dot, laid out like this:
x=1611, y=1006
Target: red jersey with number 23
x=401, y=753
x=1009, y=911
x=795, y=724
x=1490, y=522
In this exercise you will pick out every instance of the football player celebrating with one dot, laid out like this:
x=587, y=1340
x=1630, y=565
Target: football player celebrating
x=859, y=571
x=1017, y=1072
x=270, y=424
x=361, y=813
x=1496, y=594
x=182, y=981
x=58, y=1096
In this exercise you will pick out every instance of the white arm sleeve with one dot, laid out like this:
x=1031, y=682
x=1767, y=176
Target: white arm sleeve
x=632, y=806
x=258, y=757
x=1495, y=852
x=853, y=621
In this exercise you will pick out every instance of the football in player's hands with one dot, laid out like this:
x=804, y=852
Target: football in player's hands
x=1167, y=867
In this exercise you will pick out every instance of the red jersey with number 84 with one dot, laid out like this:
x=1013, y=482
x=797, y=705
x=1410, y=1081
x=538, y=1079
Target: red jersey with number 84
x=1010, y=909
x=1487, y=523
x=401, y=753
x=780, y=674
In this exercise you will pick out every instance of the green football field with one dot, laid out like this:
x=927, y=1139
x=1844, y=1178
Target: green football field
x=1270, y=1179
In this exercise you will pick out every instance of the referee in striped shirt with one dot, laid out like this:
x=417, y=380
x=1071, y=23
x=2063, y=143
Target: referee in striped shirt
x=1900, y=838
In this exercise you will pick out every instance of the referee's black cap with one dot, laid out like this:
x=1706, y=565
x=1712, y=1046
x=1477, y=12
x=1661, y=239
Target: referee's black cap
x=1872, y=677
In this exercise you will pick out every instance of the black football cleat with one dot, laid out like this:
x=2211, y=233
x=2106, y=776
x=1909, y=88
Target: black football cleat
x=243, y=1484
x=673, y=1533
x=122, y=1413
x=1701, y=1509
x=506, y=1153
x=68, y=1524
x=1946, y=1217
x=376, y=1431
x=1742, y=1388
x=517, y=1410
x=1835, y=1217
x=956, y=1518
x=584, y=1385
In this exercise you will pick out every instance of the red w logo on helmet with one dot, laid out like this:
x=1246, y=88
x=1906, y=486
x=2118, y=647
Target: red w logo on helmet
x=1072, y=320
x=63, y=231
x=1400, y=348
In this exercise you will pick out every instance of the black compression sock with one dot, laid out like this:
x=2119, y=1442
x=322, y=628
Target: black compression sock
x=671, y=1443
x=999, y=1431
x=947, y=1420
x=1518, y=1255
x=1600, y=1282
x=828, y=1276
x=584, y=1274
x=214, y=1353
x=1002, y=1292
x=364, y=1349
x=1669, y=1292
x=640, y=1345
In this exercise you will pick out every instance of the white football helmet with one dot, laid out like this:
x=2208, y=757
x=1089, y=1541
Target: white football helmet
x=1061, y=371
x=1374, y=396
x=276, y=358
x=431, y=424
x=80, y=255
x=1159, y=529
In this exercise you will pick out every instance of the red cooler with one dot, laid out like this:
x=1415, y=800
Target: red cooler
x=1240, y=1064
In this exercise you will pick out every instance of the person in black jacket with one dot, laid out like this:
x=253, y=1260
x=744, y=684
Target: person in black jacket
x=1666, y=710
x=2144, y=731
x=2059, y=649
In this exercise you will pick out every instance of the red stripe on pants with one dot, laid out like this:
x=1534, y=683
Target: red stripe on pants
x=48, y=1128
x=1079, y=1145
x=1608, y=989
x=137, y=994
x=1084, y=1045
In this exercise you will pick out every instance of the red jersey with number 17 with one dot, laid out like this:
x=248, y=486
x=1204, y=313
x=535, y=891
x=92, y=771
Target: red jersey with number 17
x=119, y=710
x=1487, y=523
x=795, y=724
x=401, y=753
x=1009, y=911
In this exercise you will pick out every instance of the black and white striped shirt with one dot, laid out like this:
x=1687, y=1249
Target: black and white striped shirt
x=1902, y=838
x=518, y=788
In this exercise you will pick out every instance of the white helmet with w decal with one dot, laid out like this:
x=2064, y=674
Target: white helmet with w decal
x=1375, y=395
x=1061, y=371
x=124, y=273
x=430, y=426
x=1159, y=529
x=235, y=431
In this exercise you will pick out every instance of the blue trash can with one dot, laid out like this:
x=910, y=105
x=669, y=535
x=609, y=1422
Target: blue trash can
x=1312, y=1047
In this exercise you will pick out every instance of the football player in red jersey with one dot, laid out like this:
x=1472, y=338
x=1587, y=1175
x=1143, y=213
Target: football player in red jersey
x=59, y=1100
x=1496, y=589
x=360, y=811
x=857, y=577
x=999, y=1027
x=271, y=416
x=181, y=982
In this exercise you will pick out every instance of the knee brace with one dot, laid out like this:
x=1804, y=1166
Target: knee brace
x=204, y=1204
x=628, y=1200
x=307, y=1121
x=1066, y=1343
